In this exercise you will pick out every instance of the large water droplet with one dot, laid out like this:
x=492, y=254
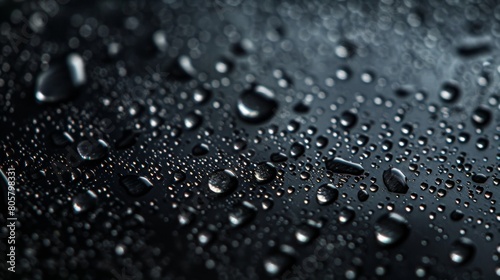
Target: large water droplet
x=463, y=250
x=326, y=194
x=222, y=181
x=61, y=82
x=257, y=104
x=395, y=180
x=92, y=150
x=391, y=229
x=276, y=263
x=265, y=172
x=296, y=150
x=348, y=119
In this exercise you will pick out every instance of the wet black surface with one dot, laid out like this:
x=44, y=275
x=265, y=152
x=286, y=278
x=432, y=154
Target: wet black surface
x=235, y=139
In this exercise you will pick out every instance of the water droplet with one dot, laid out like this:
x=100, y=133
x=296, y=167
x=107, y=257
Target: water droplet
x=363, y=195
x=85, y=202
x=395, y=180
x=348, y=119
x=265, y=172
x=276, y=263
x=193, y=120
x=182, y=68
x=346, y=215
x=479, y=178
x=278, y=157
x=456, y=215
x=481, y=116
x=239, y=144
x=200, y=149
x=92, y=150
x=136, y=185
x=391, y=229
x=321, y=142
x=201, y=96
x=257, y=104
x=222, y=181
x=61, y=82
x=463, y=250
x=224, y=66
x=305, y=233
x=342, y=166
x=242, y=214
x=327, y=194
x=296, y=150
x=450, y=92
x=61, y=139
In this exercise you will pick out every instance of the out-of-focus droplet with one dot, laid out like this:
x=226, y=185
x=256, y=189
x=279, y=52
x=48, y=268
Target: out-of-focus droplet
x=481, y=116
x=242, y=214
x=136, y=185
x=84, y=202
x=61, y=82
x=92, y=150
x=391, y=229
x=346, y=215
x=257, y=104
x=463, y=250
x=450, y=92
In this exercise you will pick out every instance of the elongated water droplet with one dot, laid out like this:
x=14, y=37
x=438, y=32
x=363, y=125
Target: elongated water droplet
x=342, y=166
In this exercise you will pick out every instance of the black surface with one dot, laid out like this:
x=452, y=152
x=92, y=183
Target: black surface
x=411, y=85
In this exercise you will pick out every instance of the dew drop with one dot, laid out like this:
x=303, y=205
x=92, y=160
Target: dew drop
x=257, y=104
x=92, y=150
x=222, y=181
x=391, y=229
x=327, y=194
x=395, y=180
